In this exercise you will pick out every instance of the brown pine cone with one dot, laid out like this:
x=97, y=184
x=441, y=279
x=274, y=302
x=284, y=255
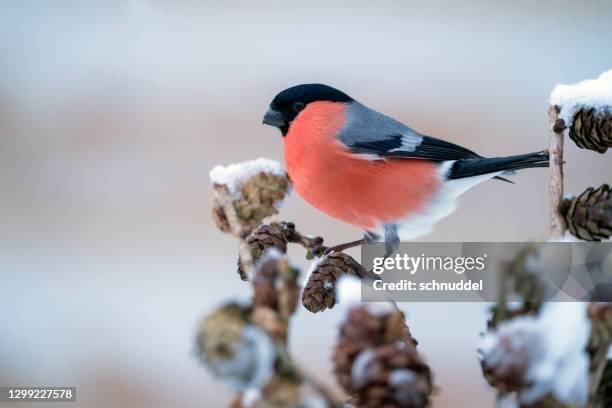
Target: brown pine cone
x=275, y=285
x=509, y=375
x=363, y=330
x=261, y=238
x=235, y=350
x=508, y=353
x=592, y=129
x=589, y=215
x=260, y=195
x=319, y=293
x=377, y=363
x=249, y=192
x=265, y=292
x=391, y=375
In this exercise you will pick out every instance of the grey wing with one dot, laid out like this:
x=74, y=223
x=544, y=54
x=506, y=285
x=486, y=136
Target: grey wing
x=369, y=132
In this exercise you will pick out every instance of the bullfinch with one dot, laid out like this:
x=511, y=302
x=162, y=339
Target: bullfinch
x=371, y=171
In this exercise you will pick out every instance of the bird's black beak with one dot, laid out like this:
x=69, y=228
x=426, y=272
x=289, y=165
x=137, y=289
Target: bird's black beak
x=274, y=118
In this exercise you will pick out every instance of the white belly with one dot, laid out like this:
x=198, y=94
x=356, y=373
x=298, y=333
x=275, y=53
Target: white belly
x=440, y=206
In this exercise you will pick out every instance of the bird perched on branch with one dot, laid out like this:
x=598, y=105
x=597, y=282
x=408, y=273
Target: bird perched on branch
x=371, y=171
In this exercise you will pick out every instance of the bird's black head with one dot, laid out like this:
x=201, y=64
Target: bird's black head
x=290, y=102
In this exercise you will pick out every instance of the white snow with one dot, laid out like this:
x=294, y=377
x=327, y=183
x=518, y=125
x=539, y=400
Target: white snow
x=250, y=397
x=402, y=377
x=348, y=290
x=380, y=309
x=234, y=175
x=566, y=237
x=313, y=400
x=251, y=363
x=508, y=401
x=348, y=294
x=361, y=371
x=313, y=266
x=440, y=206
x=554, y=346
x=405, y=384
x=270, y=254
x=592, y=93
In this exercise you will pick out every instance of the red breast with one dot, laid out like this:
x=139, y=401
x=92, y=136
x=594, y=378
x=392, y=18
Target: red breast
x=365, y=193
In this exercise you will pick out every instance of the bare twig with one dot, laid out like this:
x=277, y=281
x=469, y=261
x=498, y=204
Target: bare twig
x=309, y=242
x=557, y=128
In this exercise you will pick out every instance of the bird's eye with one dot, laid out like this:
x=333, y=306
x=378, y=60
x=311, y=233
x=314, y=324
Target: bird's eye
x=298, y=106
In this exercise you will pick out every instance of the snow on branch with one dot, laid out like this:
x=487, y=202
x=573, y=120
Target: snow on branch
x=246, y=193
x=590, y=93
x=586, y=109
x=234, y=176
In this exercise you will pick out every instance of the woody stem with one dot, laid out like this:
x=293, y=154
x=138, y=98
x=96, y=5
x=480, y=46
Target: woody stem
x=557, y=128
x=345, y=246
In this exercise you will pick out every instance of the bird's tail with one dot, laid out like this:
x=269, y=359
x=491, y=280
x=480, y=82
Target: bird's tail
x=475, y=167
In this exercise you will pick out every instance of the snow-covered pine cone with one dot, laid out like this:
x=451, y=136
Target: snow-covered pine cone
x=592, y=129
x=589, y=215
x=262, y=238
x=319, y=293
x=254, y=189
x=235, y=350
x=505, y=367
x=377, y=363
x=260, y=196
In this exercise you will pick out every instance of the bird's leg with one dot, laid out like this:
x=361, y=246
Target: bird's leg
x=392, y=240
x=392, y=243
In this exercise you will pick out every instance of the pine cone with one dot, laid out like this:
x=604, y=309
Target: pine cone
x=592, y=129
x=319, y=293
x=275, y=285
x=220, y=219
x=377, y=363
x=508, y=353
x=265, y=292
x=220, y=329
x=253, y=200
x=589, y=216
x=509, y=376
x=261, y=238
x=259, y=196
x=235, y=350
x=392, y=375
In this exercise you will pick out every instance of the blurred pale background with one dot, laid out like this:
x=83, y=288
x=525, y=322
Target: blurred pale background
x=112, y=113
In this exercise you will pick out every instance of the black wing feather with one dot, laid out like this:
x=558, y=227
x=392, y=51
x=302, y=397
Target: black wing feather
x=429, y=148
